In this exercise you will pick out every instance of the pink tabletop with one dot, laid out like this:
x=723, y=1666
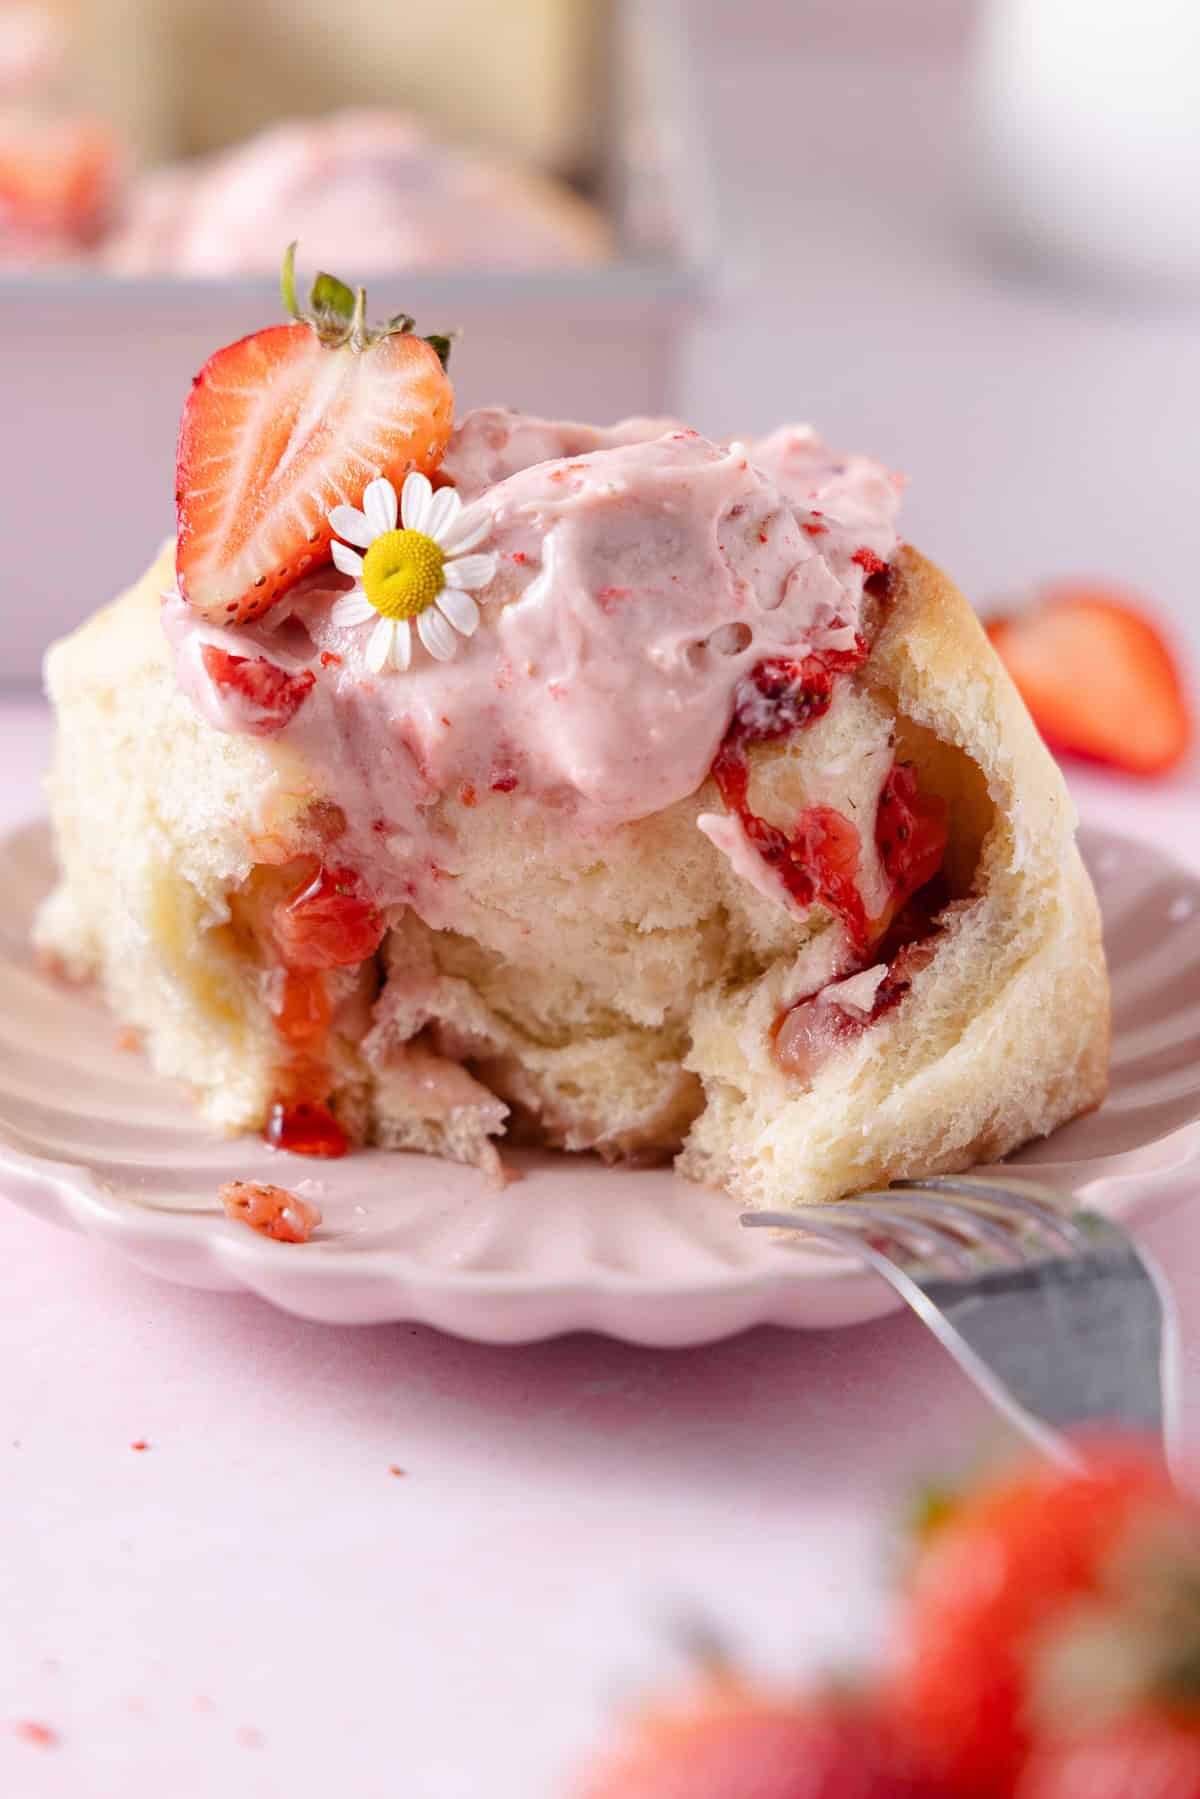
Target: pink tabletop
x=254, y=1603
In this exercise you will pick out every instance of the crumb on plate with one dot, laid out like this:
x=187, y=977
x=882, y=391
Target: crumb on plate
x=271, y=1211
x=40, y=1735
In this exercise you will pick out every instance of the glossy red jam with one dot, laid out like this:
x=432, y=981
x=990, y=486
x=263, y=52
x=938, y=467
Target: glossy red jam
x=328, y=921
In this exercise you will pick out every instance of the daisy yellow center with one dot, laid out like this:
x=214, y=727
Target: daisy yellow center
x=402, y=573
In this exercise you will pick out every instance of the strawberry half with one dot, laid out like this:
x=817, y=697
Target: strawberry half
x=1098, y=678
x=286, y=424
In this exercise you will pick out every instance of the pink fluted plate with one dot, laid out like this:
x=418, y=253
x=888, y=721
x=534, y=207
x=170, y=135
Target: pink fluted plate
x=91, y=1139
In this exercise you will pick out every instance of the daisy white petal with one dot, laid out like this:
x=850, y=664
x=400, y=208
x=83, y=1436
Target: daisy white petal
x=401, y=652
x=352, y=609
x=379, y=644
x=459, y=608
x=351, y=524
x=414, y=501
x=470, y=571
x=379, y=504
x=466, y=531
x=444, y=508
x=436, y=634
x=346, y=559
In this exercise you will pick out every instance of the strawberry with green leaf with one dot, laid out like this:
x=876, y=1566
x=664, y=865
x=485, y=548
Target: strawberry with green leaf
x=286, y=424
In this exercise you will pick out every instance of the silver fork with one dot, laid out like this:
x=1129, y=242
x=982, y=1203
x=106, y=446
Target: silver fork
x=1055, y=1315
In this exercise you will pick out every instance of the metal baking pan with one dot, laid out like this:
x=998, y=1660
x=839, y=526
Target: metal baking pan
x=94, y=369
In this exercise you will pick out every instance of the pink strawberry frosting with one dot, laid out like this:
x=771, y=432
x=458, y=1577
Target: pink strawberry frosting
x=642, y=571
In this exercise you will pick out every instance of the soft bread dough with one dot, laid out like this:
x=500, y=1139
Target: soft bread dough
x=1005, y=1034
x=614, y=994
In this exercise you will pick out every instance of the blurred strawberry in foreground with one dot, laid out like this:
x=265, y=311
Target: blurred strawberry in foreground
x=1098, y=678
x=1142, y=1758
x=1048, y=1648
x=1044, y=1609
x=733, y=1741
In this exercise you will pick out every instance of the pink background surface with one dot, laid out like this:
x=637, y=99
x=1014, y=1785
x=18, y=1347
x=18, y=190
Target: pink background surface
x=255, y=1605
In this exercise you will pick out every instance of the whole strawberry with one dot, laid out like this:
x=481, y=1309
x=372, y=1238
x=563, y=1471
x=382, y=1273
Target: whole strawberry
x=1041, y=1604
x=733, y=1741
x=284, y=425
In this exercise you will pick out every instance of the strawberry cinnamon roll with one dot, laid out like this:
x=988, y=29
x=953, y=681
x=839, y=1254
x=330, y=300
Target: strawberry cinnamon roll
x=611, y=789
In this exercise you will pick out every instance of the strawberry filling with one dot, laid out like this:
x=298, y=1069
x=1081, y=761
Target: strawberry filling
x=272, y=696
x=782, y=695
x=910, y=832
x=808, y=1032
x=328, y=921
x=818, y=859
x=305, y=1127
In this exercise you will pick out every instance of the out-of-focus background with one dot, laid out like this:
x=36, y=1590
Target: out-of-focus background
x=959, y=234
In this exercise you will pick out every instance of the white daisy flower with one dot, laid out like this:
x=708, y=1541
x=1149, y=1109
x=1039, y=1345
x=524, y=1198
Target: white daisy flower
x=418, y=571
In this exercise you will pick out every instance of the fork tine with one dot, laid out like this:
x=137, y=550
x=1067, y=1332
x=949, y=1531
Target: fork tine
x=1027, y=1198
x=907, y=1222
x=931, y=1239
x=850, y=1241
x=914, y=1232
x=971, y=1220
x=914, y=1238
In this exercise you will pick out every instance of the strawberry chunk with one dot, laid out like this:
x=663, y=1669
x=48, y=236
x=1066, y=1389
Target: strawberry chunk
x=868, y=561
x=277, y=430
x=808, y=1033
x=781, y=695
x=272, y=696
x=1098, y=678
x=818, y=859
x=274, y=1212
x=910, y=831
x=329, y=922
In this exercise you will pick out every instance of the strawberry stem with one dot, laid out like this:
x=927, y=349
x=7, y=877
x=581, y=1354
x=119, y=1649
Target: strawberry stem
x=287, y=281
x=338, y=313
x=332, y=302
